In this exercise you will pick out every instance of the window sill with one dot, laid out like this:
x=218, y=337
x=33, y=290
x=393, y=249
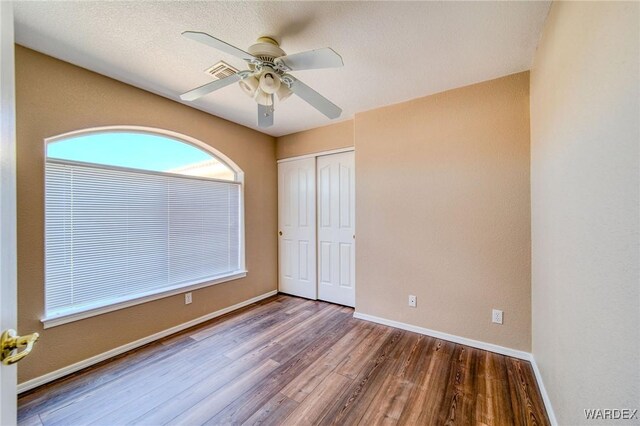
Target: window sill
x=76, y=315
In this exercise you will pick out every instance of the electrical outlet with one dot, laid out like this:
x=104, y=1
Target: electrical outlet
x=413, y=301
x=496, y=316
x=187, y=298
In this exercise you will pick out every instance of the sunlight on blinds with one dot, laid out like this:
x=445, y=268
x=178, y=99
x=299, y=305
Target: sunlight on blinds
x=117, y=234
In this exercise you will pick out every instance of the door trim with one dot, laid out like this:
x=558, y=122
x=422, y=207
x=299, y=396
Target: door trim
x=317, y=154
x=8, y=214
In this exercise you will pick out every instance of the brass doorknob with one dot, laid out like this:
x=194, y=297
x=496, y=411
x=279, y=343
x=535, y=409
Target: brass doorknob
x=10, y=341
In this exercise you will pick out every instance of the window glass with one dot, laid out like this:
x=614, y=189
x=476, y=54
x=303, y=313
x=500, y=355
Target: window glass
x=132, y=215
x=140, y=151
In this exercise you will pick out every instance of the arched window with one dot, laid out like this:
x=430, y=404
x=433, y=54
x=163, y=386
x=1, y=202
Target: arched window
x=136, y=214
x=142, y=151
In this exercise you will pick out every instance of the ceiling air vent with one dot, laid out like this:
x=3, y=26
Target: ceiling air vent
x=220, y=70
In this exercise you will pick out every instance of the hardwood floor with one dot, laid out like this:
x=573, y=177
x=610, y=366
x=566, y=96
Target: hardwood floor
x=292, y=361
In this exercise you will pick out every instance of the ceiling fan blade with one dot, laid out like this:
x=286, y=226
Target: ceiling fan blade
x=265, y=115
x=218, y=44
x=311, y=60
x=313, y=98
x=209, y=87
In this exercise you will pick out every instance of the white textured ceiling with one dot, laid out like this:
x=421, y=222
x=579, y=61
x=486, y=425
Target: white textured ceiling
x=393, y=51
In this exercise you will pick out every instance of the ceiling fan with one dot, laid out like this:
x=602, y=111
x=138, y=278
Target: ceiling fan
x=268, y=74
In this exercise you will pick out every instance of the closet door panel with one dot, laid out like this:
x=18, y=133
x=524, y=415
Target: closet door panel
x=297, y=227
x=336, y=228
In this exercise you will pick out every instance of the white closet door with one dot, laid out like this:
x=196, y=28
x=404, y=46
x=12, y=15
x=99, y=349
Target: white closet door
x=336, y=228
x=297, y=232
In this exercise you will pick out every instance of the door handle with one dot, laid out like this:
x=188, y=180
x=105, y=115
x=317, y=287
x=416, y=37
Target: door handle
x=280, y=233
x=10, y=341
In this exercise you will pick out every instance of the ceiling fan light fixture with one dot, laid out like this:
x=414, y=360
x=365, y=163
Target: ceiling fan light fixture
x=269, y=82
x=263, y=98
x=249, y=86
x=283, y=92
x=266, y=75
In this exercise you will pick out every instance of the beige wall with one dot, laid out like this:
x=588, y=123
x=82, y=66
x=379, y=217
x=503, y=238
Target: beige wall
x=585, y=137
x=333, y=136
x=54, y=97
x=443, y=211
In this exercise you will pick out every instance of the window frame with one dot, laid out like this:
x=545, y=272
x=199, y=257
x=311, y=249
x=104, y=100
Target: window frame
x=49, y=321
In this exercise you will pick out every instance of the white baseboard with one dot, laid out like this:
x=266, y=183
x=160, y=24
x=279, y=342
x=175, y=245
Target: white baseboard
x=475, y=344
x=543, y=391
x=445, y=336
x=38, y=381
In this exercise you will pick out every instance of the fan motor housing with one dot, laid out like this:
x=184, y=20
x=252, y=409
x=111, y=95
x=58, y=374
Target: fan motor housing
x=266, y=49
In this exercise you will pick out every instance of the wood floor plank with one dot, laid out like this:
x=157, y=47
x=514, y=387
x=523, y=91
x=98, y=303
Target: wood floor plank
x=101, y=401
x=471, y=380
x=149, y=377
x=136, y=379
x=297, y=318
x=352, y=365
x=388, y=403
x=303, y=384
x=301, y=354
x=315, y=406
x=452, y=410
x=64, y=390
x=210, y=381
x=286, y=360
x=499, y=393
x=523, y=394
x=154, y=398
x=304, y=304
x=423, y=403
x=390, y=400
x=273, y=412
x=246, y=317
x=330, y=324
x=203, y=409
x=482, y=407
x=354, y=402
x=33, y=420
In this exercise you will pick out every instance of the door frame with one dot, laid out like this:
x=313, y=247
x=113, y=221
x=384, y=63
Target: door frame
x=315, y=155
x=8, y=214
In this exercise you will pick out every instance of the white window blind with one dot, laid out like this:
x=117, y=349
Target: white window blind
x=117, y=234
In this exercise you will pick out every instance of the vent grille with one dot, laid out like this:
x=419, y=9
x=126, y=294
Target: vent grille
x=220, y=70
